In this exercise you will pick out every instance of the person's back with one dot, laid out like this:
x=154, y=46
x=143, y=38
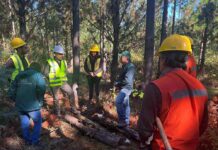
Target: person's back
x=30, y=87
x=183, y=104
x=177, y=101
x=27, y=90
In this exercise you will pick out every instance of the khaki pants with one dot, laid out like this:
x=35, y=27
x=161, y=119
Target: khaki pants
x=71, y=92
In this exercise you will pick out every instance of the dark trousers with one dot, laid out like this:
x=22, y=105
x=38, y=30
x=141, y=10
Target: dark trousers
x=93, y=82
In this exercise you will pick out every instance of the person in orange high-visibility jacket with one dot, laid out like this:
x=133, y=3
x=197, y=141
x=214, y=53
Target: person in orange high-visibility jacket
x=191, y=66
x=177, y=98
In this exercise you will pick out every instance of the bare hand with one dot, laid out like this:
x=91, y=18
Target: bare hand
x=92, y=74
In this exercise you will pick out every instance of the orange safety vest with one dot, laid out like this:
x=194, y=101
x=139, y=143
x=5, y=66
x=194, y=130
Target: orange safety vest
x=191, y=66
x=183, y=104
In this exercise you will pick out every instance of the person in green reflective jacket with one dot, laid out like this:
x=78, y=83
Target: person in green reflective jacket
x=56, y=72
x=18, y=60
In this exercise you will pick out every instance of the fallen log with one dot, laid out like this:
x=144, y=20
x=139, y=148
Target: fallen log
x=112, y=126
x=99, y=134
x=89, y=122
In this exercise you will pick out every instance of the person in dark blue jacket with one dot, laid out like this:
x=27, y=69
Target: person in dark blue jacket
x=27, y=90
x=125, y=86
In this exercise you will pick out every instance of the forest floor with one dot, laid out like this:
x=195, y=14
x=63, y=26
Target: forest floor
x=58, y=134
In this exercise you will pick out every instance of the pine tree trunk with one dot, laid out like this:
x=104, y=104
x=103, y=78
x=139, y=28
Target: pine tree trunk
x=116, y=28
x=174, y=17
x=75, y=39
x=66, y=46
x=203, y=48
x=164, y=21
x=102, y=35
x=11, y=14
x=149, y=41
x=102, y=16
x=163, y=31
x=22, y=17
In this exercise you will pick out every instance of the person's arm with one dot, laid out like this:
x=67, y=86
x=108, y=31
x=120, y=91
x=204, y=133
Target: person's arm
x=150, y=109
x=40, y=88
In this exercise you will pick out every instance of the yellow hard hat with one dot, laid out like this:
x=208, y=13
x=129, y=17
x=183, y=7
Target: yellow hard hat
x=17, y=42
x=94, y=48
x=189, y=38
x=176, y=42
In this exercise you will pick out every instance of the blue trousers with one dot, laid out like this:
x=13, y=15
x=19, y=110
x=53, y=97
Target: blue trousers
x=123, y=108
x=31, y=138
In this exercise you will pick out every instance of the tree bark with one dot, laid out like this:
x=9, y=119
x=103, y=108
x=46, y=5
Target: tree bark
x=102, y=21
x=112, y=126
x=116, y=29
x=22, y=17
x=203, y=48
x=98, y=133
x=164, y=21
x=66, y=46
x=163, y=31
x=174, y=17
x=75, y=38
x=149, y=41
x=46, y=35
x=11, y=14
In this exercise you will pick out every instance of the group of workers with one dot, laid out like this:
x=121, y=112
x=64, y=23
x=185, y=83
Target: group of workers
x=177, y=97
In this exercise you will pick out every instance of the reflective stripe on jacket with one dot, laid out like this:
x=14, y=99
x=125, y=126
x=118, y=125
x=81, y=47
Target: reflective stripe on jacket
x=97, y=70
x=183, y=104
x=18, y=65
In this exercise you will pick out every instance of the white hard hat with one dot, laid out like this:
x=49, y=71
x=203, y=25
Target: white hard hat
x=58, y=49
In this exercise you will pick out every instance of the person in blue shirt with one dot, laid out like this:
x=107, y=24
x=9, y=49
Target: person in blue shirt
x=125, y=86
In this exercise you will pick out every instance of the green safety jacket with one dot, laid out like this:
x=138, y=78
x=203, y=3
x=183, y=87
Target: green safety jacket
x=18, y=65
x=57, y=74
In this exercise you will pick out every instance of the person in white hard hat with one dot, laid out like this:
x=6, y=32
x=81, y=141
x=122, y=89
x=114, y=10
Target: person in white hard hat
x=56, y=72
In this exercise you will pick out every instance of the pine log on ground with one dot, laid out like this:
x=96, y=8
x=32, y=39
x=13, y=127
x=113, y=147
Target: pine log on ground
x=112, y=126
x=99, y=134
x=89, y=122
